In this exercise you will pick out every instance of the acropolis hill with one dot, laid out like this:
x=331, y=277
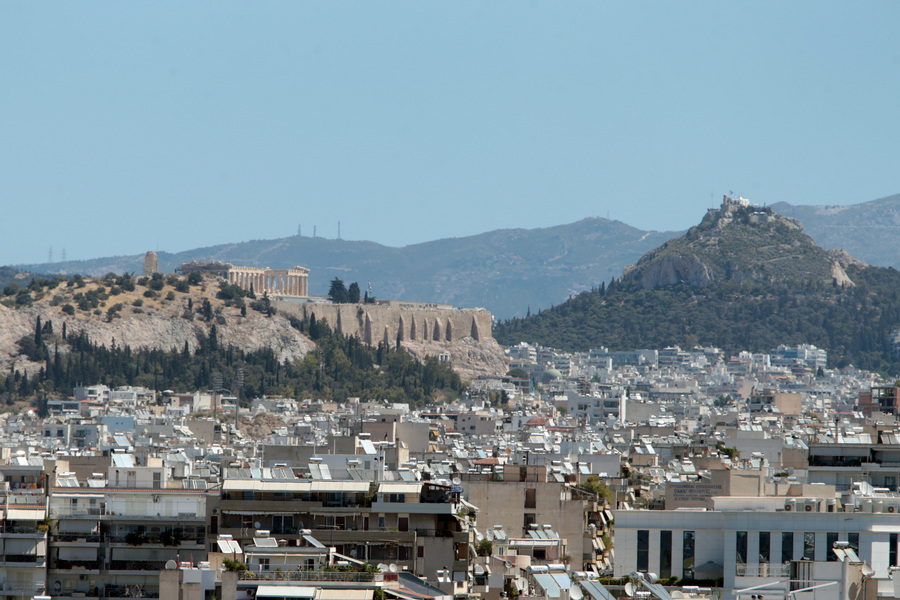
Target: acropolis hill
x=460, y=335
x=163, y=319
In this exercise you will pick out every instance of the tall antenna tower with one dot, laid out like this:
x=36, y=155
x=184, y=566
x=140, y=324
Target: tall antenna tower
x=299, y=231
x=50, y=255
x=339, y=230
x=314, y=231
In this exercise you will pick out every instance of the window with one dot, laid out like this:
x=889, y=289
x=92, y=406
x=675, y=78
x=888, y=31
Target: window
x=264, y=564
x=283, y=524
x=853, y=539
x=665, y=554
x=892, y=550
x=787, y=546
x=527, y=520
x=421, y=552
x=403, y=523
x=765, y=541
x=687, y=553
x=530, y=498
x=643, y=550
x=809, y=545
x=157, y=480
x=381, y=524
x=741, y=547
x=830, y=538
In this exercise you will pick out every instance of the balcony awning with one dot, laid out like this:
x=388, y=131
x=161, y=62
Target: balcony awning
x=399, y=488
x=285, y=591
x=24, y=514
x=299, y=486
x=76, y=553
x=25, y=546
x=344, y=594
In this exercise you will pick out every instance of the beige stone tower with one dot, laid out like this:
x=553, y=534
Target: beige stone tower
x=151, y=264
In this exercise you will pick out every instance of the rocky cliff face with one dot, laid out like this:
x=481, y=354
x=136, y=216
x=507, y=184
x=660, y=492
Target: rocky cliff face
x=740, y=243
x=470, y=358
x=151, y=329
x=171, y=320
x=675, y=269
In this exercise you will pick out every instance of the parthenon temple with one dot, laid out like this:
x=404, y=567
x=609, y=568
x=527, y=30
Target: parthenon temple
x=273, y=282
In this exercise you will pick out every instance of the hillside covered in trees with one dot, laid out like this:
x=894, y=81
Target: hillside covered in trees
x=339, y=368
x=192, y=333
x=743, y=286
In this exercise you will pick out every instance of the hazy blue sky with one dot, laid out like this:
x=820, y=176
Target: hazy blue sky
x=130, y=126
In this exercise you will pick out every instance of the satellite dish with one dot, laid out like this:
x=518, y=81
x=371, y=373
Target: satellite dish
x=257, y=525
x=392, y=568
x=456, y=481
x=575, y=593
x=867, y=571
x=171, y=564
x=382, y=567
x=479, y=570
x=629, y=589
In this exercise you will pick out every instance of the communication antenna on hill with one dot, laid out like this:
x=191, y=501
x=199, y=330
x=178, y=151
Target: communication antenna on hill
x=64, y=254
x=339, y=230
x=314, y=231
x=299, y=231
x=50, y=255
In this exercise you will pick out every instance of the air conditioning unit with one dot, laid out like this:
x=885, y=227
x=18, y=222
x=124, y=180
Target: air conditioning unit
x=891, y=508
x=808, y=507
x=789, y=506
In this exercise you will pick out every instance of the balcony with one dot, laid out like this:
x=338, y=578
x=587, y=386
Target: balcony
x=329, y=576
x=67, y=510
x=24, y=560
x=137, y=565
x=77, y=537
x=22, y=589
x=763, y=570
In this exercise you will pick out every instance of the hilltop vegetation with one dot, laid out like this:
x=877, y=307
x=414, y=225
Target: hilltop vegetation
x=852, y=323
x=763, y=286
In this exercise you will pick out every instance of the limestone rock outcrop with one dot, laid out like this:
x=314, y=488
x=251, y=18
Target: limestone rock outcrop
x=675, y=269
x=470, y=358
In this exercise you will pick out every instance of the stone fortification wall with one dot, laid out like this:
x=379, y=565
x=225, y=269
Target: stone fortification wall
x=385, y=321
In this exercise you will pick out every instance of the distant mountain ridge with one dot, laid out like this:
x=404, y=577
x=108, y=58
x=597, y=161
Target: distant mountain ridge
x=869, y=230
x=506, y=271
